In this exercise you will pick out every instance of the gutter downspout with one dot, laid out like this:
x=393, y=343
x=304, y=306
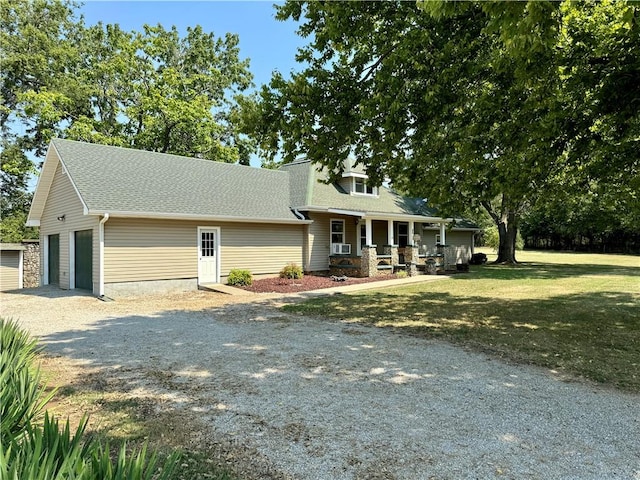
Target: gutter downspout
x=104, y=219
x=305, y=241
x=298, y=214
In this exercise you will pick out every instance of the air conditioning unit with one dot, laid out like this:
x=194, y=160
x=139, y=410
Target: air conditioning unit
x=341, y=248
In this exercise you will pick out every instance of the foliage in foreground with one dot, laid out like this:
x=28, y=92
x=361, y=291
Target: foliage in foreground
x=23, y=397
x=33, y=450
x=575, y=314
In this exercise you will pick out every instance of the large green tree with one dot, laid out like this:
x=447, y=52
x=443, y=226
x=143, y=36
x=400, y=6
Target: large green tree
x=36, y=45
x=154, y=90
x=599, y=49
x=464, y=104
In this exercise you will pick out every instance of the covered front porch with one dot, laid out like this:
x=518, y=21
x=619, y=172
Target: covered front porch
x=381, y=246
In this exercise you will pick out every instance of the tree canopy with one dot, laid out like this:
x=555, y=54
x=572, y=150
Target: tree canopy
x=154, y=90
x=488, y=105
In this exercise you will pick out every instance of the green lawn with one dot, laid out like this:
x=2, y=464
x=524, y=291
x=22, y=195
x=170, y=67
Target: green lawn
x=578, y=314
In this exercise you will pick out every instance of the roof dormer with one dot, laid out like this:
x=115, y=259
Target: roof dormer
x=356, y=181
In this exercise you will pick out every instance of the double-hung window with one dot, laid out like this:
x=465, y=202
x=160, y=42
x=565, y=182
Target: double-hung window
x=360, y=186
x=337, y=231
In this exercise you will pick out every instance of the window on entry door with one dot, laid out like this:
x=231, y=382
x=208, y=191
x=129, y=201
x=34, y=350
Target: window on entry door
x=208, y=244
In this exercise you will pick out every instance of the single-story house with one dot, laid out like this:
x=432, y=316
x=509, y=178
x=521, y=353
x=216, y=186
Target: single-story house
x=116, y=220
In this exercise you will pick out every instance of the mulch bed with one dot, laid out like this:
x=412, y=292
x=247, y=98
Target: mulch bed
x=308, y=282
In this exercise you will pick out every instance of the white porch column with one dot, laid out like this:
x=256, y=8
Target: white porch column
x=390, y=239
x=411, y=233
x=368, y=226
x=443, y=240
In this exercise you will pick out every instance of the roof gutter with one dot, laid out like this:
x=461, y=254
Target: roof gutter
x=378, y=215
x=406, y=218
x=104, y=219
x=346, y=212
x=203, y=218
x=457, y=229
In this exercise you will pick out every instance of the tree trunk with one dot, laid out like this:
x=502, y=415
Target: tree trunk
x=505, y=217
x=507, y=231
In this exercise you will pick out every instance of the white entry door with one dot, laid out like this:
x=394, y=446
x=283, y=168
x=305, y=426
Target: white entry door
x=208, y=253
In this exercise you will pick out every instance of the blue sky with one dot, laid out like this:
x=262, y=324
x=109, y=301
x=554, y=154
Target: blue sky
x=269, y=44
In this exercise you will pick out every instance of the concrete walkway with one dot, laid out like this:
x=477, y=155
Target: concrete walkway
x=395, y=282
x=222, y=288
x=342, y=289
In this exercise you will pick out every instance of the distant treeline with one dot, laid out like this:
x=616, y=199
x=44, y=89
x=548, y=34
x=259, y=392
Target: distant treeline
x=594, y=218
x=610, y=242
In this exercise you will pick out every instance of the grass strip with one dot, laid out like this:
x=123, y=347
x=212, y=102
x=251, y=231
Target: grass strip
x=574, y=313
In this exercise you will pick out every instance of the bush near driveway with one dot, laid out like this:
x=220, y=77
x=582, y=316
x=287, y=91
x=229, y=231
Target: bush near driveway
x=239, y=278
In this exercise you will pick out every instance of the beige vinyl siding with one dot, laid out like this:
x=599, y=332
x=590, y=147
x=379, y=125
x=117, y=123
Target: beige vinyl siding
x=141, y=249
x=346, y=183
x=459, y=238
x=428, y=237
x=349, y=231
x=463, y=242
x=9, y=270
x=145, y=249
x=63, y=200
x=380, y=238
x=261, y=249
x=318, y=241
x=461, y=253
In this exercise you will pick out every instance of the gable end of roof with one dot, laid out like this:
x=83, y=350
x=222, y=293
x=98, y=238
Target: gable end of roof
x=110, y=179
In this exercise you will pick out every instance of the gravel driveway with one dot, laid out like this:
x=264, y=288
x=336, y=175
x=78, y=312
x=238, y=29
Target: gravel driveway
x=327, y=400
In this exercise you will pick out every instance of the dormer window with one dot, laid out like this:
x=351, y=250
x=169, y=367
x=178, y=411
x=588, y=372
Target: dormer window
x=361, y=187
x=355, y=181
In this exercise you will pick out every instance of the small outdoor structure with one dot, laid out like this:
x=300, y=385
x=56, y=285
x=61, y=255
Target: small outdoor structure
x=19, y=265
x=11, y=258
x=119, y=221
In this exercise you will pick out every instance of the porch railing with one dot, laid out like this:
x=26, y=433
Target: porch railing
x=371, y=263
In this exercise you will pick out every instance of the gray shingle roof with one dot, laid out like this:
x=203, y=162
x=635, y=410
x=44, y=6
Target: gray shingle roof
x=115, y=179
x=122, y=181
x=323, y=195
x=299, y=176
